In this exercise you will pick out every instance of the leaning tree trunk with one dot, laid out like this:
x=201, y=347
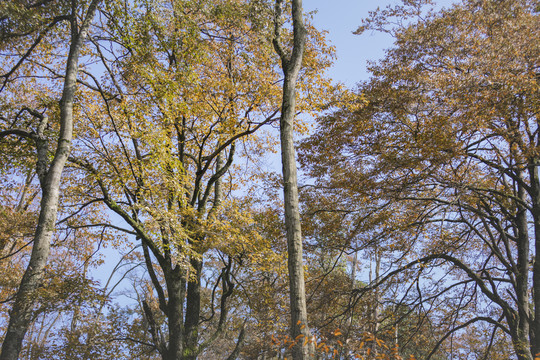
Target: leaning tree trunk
x=291, y=66
x=23, y=308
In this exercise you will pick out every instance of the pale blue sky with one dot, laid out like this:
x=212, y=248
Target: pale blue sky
x=341, y=18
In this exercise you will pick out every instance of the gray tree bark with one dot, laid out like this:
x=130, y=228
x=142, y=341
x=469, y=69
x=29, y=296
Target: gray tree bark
x=291, y=67
x=535, y=196
x=521, y=336
x=23, y=307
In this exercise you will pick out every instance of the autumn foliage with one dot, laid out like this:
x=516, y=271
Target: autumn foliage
x=419, y=191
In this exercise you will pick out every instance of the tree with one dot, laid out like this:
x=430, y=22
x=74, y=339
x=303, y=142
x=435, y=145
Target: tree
x=185, y=85
x=448, y=148
x=291, y=63
x=49, y=174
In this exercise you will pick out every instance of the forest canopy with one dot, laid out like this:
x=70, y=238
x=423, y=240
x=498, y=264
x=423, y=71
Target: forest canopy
x=140, y=219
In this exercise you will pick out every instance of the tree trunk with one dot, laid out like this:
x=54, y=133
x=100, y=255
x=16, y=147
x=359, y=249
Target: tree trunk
x=176, y=285
x=23, y=308
x=375, y=309
x=294, y=238
x=534, y=335
x=193, y=310
x=522, y=344
x=291, y=66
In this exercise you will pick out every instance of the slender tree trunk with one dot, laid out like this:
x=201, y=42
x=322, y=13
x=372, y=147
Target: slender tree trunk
x=534, y=335
x=23, y=308
x=353, y=284
x=522, y=344
x=376, y=300
x=294, y=238
x=291, y=67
